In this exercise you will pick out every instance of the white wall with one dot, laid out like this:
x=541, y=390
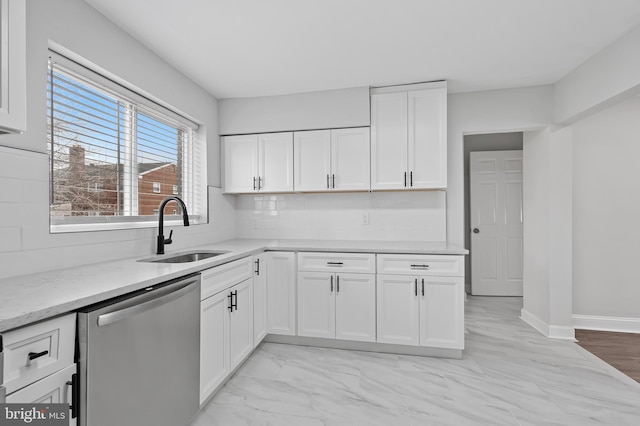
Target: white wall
x=494, y=111
x=301, y=111
x=536, y=185
x=606, y=199
x=393, y=216
x=547, y=186
x=25, y=243
x=600, y=81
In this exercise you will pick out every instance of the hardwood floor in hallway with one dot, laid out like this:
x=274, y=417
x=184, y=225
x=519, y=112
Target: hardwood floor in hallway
x=620, y=350
x=509, y=375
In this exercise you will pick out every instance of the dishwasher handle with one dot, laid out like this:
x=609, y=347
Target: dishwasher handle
x=147, y=302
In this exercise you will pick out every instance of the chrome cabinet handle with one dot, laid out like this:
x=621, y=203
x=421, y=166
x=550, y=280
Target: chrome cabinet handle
x=423, y=286
x=337, y=283
x=331, y=283
x=416, y=286
x=335, y=263
x=257, y=271
x=254, y=183
x=333, y=180
x=411, y=177
x=405, y=179
x=328, y=181
x=259, y=183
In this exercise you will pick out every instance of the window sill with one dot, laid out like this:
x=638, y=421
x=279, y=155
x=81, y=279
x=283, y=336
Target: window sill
x=114, y=226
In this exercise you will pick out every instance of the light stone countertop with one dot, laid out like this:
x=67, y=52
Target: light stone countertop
x=30, y=298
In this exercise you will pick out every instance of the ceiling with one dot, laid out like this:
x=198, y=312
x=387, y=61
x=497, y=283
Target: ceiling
x=243, y=48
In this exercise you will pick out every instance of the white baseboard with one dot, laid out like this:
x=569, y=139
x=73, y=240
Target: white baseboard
x=563, y=332
x=620, y=324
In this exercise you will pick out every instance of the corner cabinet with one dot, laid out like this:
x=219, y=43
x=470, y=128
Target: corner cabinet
x=258, y=163
x=332, y=160
x=13, y=69
x=409, y=137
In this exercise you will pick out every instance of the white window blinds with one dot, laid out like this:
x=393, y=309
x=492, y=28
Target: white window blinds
x=115, y=155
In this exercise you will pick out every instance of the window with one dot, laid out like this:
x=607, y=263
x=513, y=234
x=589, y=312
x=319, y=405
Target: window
x=112, y=152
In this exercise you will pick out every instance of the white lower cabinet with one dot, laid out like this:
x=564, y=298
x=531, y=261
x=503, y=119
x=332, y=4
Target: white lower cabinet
x=398, y=310
x=340, y=306
x=226, y=322
x=53, y=389
x=38, y=364
x=337, y=305
x=259, y=298
x=416, y=305
x=281, y=293
x=214, y=343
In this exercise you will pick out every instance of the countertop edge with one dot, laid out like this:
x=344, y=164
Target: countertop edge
x=239, y=248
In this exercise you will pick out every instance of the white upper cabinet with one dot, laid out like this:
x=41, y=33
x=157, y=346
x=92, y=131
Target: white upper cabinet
x=350, y=159
x=258, y=163
x=332, y=160
x=240, y=163
x=312, y=160
x=409, y=138
x=13, y=74
x=275, y=162
x=388, y=140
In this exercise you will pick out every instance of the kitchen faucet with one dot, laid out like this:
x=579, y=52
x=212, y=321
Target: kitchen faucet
x=185, y=217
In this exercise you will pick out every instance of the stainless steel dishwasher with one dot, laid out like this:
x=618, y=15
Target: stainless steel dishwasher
x=138, y=357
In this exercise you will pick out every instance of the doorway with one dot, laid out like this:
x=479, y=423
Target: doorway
x=477, y=143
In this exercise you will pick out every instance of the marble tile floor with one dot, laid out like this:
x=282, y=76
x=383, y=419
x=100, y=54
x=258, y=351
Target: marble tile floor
x=509, y=375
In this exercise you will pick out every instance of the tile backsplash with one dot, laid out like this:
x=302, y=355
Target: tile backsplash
x=26, y=246
x=387, y=216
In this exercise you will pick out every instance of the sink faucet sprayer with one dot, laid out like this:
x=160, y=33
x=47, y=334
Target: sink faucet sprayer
x=185, y=217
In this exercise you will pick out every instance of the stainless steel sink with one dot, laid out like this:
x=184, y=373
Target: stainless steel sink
x=187, y=257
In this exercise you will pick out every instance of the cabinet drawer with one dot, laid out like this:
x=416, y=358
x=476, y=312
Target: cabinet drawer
x=337, y=262
x=52, y=340
x=442, y=265
x=216, y=279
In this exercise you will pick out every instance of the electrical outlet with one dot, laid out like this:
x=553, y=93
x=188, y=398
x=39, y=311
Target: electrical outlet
x=365, y=218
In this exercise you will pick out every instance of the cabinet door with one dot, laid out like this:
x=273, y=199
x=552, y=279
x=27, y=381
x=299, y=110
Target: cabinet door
x=388, y=140
x=350, y=159
x=312, y=160
x=259, y=298
x=355, y=307
x=53, y=389
x=281, y=293
x=442, y=312
x=316, y=304
x=240, y=163
x=241, y=323
x=398, y=311
x=275, y=165
x=214, y=343
x=427, y=146
x=13, y=75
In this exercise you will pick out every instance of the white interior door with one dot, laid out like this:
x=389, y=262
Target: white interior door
x=496, y=223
